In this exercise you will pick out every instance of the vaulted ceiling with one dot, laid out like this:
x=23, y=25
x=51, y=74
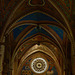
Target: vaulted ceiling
x=27, y=23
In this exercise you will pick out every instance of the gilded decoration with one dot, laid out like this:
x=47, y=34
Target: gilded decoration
x=38, y=63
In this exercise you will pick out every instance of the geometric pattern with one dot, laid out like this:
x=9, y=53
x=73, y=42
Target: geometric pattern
x=39, y=65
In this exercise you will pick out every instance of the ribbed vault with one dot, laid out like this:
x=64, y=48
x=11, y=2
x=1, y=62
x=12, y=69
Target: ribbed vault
x=33, y=29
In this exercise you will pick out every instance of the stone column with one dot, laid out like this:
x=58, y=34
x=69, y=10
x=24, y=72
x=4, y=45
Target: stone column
x=15, y=67
x=2, y=48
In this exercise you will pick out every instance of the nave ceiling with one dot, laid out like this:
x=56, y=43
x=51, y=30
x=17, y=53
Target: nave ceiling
x=29, y=24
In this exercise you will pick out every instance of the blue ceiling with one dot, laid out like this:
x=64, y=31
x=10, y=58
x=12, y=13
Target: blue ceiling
x=35, y=31
x=37, y=16
x=57, y=30
x=18, y=30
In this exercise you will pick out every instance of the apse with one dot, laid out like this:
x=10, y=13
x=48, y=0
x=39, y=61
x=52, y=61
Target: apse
x=38, y=64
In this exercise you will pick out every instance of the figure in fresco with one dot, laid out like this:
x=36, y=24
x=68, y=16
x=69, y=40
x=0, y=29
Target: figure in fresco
x=50, y=72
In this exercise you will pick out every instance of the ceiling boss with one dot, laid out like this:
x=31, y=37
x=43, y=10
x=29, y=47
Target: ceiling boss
x=36, y=2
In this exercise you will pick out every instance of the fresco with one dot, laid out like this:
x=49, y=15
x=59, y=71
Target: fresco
x=26, y=70
x=51, y=70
